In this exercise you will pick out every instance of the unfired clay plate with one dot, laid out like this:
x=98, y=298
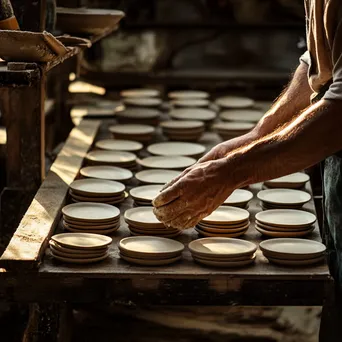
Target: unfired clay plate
x=156, y=176
x=142, y=101
x=298, y=178
x=284, y=196
x=246, y=115
x=234, y=102
x=220, y=263
x=119, y=145
x=190, y=102
x=179, y=126
x=106, y=172
x=239, y=196
x=142, y=215
x=93, y=186
x=176, y=149
x=146, y=192
x=150, y=262
x=140, y=92
x=166, y=162
x=111, y=157
x=200, y=114
x=132, y=129
x=82, y=240
x=226, y=214
x=188, y=94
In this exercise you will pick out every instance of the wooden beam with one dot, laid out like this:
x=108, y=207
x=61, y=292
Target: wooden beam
x=29, y=241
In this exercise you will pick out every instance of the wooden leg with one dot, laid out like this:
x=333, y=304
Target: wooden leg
x=49, y=322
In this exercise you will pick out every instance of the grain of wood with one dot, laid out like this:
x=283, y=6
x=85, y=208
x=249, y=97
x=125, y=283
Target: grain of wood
x=28, y=242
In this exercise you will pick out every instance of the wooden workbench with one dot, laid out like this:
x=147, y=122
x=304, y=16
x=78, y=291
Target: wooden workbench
x=32, y=275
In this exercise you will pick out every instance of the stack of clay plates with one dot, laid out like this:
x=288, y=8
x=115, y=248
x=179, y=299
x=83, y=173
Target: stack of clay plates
x=166, y=162
x=183, y=130
x=90, y=217
x=245, y=115
x=293, y=181
x=79, y=248
x=143, y=195
x=107, y=172
x=119, y=145
x=142, y=102
x=223, y=252
x=190, y=103
x=150, y=250
x=198, y=114
x=188, y=94
x=139, y=93
x=97, y=190
x=156, y=176
x=126, y=160
x=176, y=149
x=284, y=222
x=230, y=130
x=225, y=221
x=239, y=198
x=141, y=133
x=293, y=252
x=283, y=198
x=142, y=221
x=234, y=102
x=145, y=116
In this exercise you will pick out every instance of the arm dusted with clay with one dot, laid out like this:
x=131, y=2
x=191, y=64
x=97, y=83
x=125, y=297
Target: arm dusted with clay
x=309, y=138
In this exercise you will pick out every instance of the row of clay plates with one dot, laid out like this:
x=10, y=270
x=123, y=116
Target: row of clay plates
x=142, y=221
x=97, y=190
x=150, y=250
x=289, y=223
x=184, y=130
x=126, y=160
x=143, y=195
x=91, y=217
x=223, y=252
x=225, y=221
x=283, y=198
x=135, y=132
x=79, y=248
x=293, y=181
x=293, y=252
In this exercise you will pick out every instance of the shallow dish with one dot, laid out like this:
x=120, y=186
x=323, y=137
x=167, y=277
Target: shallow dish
x=91, y=212
x=119, y=145
x=303, y=262
x=284, y=196
x=149, y=262
x=106, y=172
x=283, y=229
x=140, y=93
x=234, y=102
x=224, y=235
x=239, y=196
x=294, y=180
x=97, y=187
x=80, y=261
x=142, y=216
x=221, y=247
x=82, y=240
x=95, y=231
x=190, y=102
x=188, y=94
x=146, y=192
x=246, y=115
x=180, y=126
x=113, y=225
x=223, y=230
x=156, y=176
x=87, y=255
x=132, y=129
x=77, y=251
x=226, y=214
x=199, y=114
x=284, y=234
x=167, y=162
x=142, y=101
x=111, y=157
x=176, y=149
x=217, y=263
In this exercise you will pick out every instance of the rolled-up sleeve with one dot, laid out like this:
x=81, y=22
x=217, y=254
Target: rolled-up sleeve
x=335, y=90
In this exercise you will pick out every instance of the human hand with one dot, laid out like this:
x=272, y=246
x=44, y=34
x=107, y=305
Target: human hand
x=195, y=195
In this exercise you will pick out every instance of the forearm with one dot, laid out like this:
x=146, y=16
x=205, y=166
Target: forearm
x=308, y=139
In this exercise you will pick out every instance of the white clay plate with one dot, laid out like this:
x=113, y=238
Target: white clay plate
x=150, y=246
x=140, y=92
x=221, y=247
x=119, y=145
x=87, y=255
x=150, y=262
x=234, y=102
x=118, y=157
x=246, y=115
x=226, y=235
x=166, y=162
x=284, y=248
x=286, y=218
x=215, y=263
x=233, y=126
x=88, y=211
x=284, y=196
x=190, y=102
x=138, y=113
x=179, y=126
x=142, y=101
x=132, y=129
x=146, y=192
x=80, y=261
x=142, y=215
x=77, y=251
x=193, y=114
x=106, y=172
x=303, y=262
x=188, y=94
x=82, y=240
x=93, y=186
x=225, y=214
x=284, y=234
x=156, y=176
x=239, y=196
x=294, y=178
x=176, y=149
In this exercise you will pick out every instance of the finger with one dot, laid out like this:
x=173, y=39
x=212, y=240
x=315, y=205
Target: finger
x=169, y=212
x=168, y=195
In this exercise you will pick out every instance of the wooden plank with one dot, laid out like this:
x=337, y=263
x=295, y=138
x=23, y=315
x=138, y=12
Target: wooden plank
x=29, y=241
